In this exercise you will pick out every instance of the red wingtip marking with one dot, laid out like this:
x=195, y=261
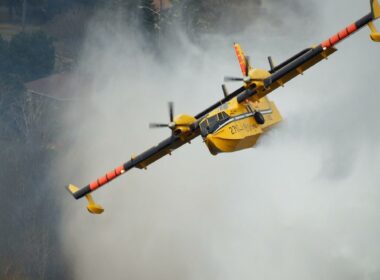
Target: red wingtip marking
x=110, y=175
x=106, y=178
x=94, y=185
x=119, y=169
x=339, y=36
x=334, y=39
x=351, y=28
x=102, y=180
x=343, y=34
x=326, y=44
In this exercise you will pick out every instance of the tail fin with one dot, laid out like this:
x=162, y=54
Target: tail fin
x=243, y=61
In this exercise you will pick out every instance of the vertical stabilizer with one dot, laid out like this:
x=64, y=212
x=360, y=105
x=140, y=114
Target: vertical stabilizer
x=243, y=60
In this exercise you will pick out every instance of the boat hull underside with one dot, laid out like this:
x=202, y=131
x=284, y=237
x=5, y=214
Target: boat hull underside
x=218, y=145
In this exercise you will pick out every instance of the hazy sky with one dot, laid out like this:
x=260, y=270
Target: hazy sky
x=303, y=204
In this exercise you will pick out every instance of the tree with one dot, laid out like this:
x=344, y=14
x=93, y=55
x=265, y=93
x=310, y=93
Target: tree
x=12, y=5
x=212, y=16
x=149, y=19
x=11, y=94
x=4, y=57
x=32, y=55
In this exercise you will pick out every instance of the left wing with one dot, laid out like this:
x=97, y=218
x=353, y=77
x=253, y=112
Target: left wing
x=141, y=161
x=146, y=158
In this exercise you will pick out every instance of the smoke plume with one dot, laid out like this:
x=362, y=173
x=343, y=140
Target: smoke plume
x=302, y=204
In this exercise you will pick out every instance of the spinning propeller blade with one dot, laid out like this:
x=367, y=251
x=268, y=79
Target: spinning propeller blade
x=172, y=125
x=233, y=79
x=246, y=65
x=171, y=111
x=157, y=125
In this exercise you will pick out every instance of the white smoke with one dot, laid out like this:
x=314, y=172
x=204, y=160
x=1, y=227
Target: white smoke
x=303, y=204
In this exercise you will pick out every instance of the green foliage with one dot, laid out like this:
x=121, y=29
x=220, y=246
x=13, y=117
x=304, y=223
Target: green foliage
x=212, y=16
x=26, y=57
x=41, y=11
x=54, y=7
x=11, y=85
x=11, y=96
x=32, y=55
x=30, y=247
x=149, y=19
x=4, y=57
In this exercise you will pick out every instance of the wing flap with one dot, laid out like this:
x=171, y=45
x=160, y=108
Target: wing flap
x=290, y=72
x=141, y=161
x=161, y=150
x=306, y=65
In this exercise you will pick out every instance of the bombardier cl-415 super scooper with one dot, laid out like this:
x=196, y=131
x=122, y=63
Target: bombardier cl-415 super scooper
x=237, y=121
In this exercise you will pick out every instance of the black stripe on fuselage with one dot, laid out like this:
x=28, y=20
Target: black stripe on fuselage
x=241, y=117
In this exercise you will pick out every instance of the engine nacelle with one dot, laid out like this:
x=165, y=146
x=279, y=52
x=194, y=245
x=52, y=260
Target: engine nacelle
x=182, y=123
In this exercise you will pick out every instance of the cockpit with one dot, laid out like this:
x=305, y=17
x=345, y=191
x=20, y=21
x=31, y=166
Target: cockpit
x=211, y=124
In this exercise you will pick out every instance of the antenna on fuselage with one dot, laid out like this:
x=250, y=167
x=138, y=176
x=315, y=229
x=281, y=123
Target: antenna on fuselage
x=225, y=91
x=271, y=64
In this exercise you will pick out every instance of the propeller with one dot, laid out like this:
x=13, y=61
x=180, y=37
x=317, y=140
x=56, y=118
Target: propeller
x=171, y=111
x=171, y=124
x=246, y=65
x=233, y=79
x=245, y=79
x=158, y=125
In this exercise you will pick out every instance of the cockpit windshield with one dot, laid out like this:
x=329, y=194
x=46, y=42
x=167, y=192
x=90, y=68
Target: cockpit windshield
x=204, y=128
x=211, y=124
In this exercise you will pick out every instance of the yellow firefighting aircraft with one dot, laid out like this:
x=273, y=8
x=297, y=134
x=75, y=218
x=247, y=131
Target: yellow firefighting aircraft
x=237, y=121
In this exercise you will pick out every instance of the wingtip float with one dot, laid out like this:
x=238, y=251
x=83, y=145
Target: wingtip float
x=92, y=207
x=375, y=11
x=236, y=121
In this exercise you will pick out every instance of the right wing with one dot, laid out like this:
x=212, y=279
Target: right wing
x=302, y=61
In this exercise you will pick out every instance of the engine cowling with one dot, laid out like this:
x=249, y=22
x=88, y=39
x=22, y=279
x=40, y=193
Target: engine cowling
x=182, y=123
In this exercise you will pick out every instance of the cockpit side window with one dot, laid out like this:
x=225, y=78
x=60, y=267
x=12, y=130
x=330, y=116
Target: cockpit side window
x=213, y=123
x=224, y=116
x=204, y=128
